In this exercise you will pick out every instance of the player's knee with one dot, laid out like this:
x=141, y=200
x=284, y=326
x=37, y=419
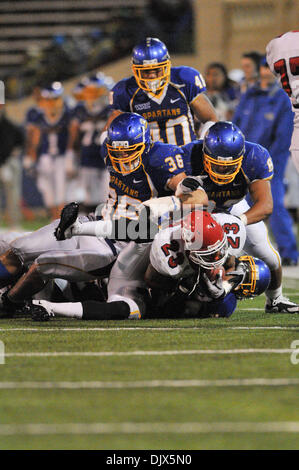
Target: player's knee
x=272, y=260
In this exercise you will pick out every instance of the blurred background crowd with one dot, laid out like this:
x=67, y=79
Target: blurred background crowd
x=45, y=43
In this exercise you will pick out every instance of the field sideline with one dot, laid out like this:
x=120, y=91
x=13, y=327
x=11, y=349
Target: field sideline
x=152, y=384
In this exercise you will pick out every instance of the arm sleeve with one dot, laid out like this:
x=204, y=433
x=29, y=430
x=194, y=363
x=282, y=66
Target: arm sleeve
x=119, y=97
x=259, y=164
x=194, y=82
x=166, y=165
x=279, y=148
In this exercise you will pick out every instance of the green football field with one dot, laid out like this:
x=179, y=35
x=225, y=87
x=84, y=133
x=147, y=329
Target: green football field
x=152, y=384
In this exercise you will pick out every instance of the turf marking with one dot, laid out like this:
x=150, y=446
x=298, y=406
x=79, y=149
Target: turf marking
x=149, y=428
x=150, y=328
x=277, y=382
x=148, y=353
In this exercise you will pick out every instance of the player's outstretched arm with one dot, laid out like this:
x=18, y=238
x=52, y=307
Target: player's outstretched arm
x=260, y=192
x=203, y=109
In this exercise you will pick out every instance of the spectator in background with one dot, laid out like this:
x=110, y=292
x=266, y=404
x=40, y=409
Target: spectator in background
x=12, y=142
x=265, y=116
x=222, y=91
x=250, y=63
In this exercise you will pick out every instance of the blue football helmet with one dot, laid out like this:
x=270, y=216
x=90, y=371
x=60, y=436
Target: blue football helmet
x=128, y=138
x=51, y=98
x=151, y=65
x=223, y=148
x=256, y=280
x=91, y=89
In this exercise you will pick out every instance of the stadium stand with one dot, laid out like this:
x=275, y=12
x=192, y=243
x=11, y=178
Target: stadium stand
x=30, y=30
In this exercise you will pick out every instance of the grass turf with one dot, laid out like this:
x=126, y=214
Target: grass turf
x=238, y=404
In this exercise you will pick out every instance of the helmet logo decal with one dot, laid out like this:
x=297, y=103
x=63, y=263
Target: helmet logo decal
x=120, y=143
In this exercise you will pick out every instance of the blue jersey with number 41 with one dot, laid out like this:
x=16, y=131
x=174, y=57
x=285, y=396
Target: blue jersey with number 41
x=170, y=116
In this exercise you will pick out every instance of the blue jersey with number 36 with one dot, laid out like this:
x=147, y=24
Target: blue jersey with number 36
x=159, y=165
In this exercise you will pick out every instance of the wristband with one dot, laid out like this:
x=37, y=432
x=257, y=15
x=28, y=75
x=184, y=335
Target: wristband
x=243, y=218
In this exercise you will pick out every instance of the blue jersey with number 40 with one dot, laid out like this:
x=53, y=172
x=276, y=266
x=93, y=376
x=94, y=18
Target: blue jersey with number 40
x=170, y=116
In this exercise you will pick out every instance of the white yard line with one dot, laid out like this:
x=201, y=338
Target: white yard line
x=149, y=428
x=260, y=382
x=148, y=353
x=253, y=309
x=262, y=327
x=149, y=328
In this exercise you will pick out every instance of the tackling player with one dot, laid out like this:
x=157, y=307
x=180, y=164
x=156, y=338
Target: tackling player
x=283, y=59
x=228, y=168
x=167, y=97
x=139, y=170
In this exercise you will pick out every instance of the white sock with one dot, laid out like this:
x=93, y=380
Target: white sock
x=63, y=309
x=273, y=294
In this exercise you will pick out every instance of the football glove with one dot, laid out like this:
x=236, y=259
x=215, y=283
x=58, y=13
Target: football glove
x=208, y=290
x=68, y=222
x=190, y=184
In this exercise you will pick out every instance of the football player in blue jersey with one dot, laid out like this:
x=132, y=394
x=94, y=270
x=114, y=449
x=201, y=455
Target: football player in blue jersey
x=87, y=123
x=167, y=97
x=47, y=127
x=228, y=167
x=139, y=170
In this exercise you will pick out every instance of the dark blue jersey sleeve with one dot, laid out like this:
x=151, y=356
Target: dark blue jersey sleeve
x=193, y=81
x=166, y=161
x=120, y=96
x=257, y=163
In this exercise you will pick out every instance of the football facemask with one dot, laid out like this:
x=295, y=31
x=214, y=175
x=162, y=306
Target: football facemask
x=153, y=77
x=256, y=280
x=204, y=239
x=222, y=170
x=125, y=158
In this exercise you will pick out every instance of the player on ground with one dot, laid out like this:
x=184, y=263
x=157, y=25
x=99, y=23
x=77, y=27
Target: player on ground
x=167, y=97
x=128, y=296
x=229, y=168
x=283, y=59
x=192, y=253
